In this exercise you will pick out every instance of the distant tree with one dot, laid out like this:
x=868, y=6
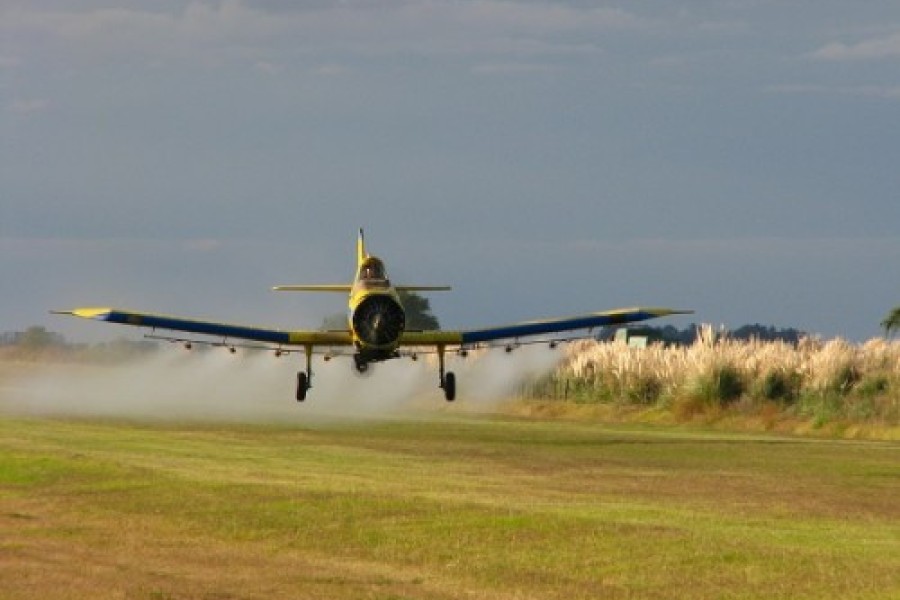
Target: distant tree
x=891, y=323
x=767, y=334
x=418, y=312
x=37, y=337
x=120, y=350
x=668, y=334
x=417, y=308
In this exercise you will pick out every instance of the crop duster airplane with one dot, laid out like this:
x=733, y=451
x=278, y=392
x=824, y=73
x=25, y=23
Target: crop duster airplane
x=376, y=328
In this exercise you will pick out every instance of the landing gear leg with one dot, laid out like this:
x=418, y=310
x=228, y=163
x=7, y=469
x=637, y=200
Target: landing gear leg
x=447, y=380
x=304, y=378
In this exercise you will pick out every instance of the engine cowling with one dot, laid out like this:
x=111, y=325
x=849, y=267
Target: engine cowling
x=379, y=321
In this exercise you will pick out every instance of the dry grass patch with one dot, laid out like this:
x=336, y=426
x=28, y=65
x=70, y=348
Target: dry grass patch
x=820, y=386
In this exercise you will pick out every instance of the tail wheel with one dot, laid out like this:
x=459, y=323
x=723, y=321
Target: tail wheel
x=302, y=386
x=449, y=386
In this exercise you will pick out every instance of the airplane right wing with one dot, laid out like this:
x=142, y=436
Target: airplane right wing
x=599, y=319
x=532, y=328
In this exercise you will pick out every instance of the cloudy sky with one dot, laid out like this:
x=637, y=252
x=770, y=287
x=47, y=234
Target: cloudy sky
x=737, y=157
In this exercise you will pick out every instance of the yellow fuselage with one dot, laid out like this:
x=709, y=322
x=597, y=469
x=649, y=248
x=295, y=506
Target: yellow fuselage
x=376, y=317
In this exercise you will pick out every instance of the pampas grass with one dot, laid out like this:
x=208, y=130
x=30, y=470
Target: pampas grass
x=820, y=380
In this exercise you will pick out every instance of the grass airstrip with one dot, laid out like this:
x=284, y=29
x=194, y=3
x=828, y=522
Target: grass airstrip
x=451, y=506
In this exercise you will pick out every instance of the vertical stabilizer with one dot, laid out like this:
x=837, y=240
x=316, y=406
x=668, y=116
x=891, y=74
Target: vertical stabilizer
x=360, y=249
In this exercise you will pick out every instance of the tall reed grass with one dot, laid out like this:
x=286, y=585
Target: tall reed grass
x=823, y=381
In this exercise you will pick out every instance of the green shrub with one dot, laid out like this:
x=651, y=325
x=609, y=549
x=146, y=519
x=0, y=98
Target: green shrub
x=644, y=389
x=873, y=385
x=821, y=407
x=780, y=386
x=844, y=378
x=722, y=385
x=861, y=409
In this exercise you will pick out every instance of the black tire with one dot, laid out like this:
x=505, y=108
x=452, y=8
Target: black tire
x=360, y=365
x=450, y=387
x=302, y=386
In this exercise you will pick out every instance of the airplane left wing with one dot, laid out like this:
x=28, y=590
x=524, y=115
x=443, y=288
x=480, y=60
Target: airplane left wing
x=212, y=328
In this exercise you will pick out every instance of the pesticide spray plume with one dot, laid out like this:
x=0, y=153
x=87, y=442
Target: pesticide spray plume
x=217, y=386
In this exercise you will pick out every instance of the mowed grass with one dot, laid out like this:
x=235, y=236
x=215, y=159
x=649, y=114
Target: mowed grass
x=451, y=507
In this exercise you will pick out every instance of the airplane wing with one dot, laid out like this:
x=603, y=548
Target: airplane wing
x=531, y=328
x=281, y=337
x=345, y=288
x=212, y=328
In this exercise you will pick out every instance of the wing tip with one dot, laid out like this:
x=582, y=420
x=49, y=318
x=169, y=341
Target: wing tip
x=675, y=311
x=656, y=311
x=85, y=313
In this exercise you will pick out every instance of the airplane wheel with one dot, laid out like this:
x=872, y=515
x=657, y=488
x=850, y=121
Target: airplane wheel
x=450, y=387
x=302, y=386
x=361, y=365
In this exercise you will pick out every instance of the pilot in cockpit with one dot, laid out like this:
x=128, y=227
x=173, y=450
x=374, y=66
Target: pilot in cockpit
x=372, y=271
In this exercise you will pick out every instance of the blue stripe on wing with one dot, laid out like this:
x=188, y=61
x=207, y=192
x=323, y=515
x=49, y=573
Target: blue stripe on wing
x=613, y=317
x=192, y=326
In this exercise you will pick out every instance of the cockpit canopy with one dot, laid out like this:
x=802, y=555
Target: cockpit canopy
x=372, y=273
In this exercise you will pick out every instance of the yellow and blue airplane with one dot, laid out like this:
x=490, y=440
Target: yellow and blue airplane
x=376, y=328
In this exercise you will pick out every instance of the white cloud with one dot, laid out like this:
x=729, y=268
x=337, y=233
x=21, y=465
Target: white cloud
x=267, y=67
x=30, y=106
x=201, y=245
x=9, y=62
x=514, y=68
x=670, y=61
x=332, y=70
x=234, y=28
x=870, y=91
x=872, y=49
x=534, y=17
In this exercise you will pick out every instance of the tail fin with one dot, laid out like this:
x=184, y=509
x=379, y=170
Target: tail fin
x=361, y=254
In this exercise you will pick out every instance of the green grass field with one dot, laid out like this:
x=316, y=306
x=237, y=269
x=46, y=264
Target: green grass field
x=445, y=507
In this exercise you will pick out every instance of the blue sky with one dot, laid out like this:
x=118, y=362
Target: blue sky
x=545, y=158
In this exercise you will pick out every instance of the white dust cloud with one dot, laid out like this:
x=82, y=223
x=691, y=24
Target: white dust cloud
x=214, y=386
